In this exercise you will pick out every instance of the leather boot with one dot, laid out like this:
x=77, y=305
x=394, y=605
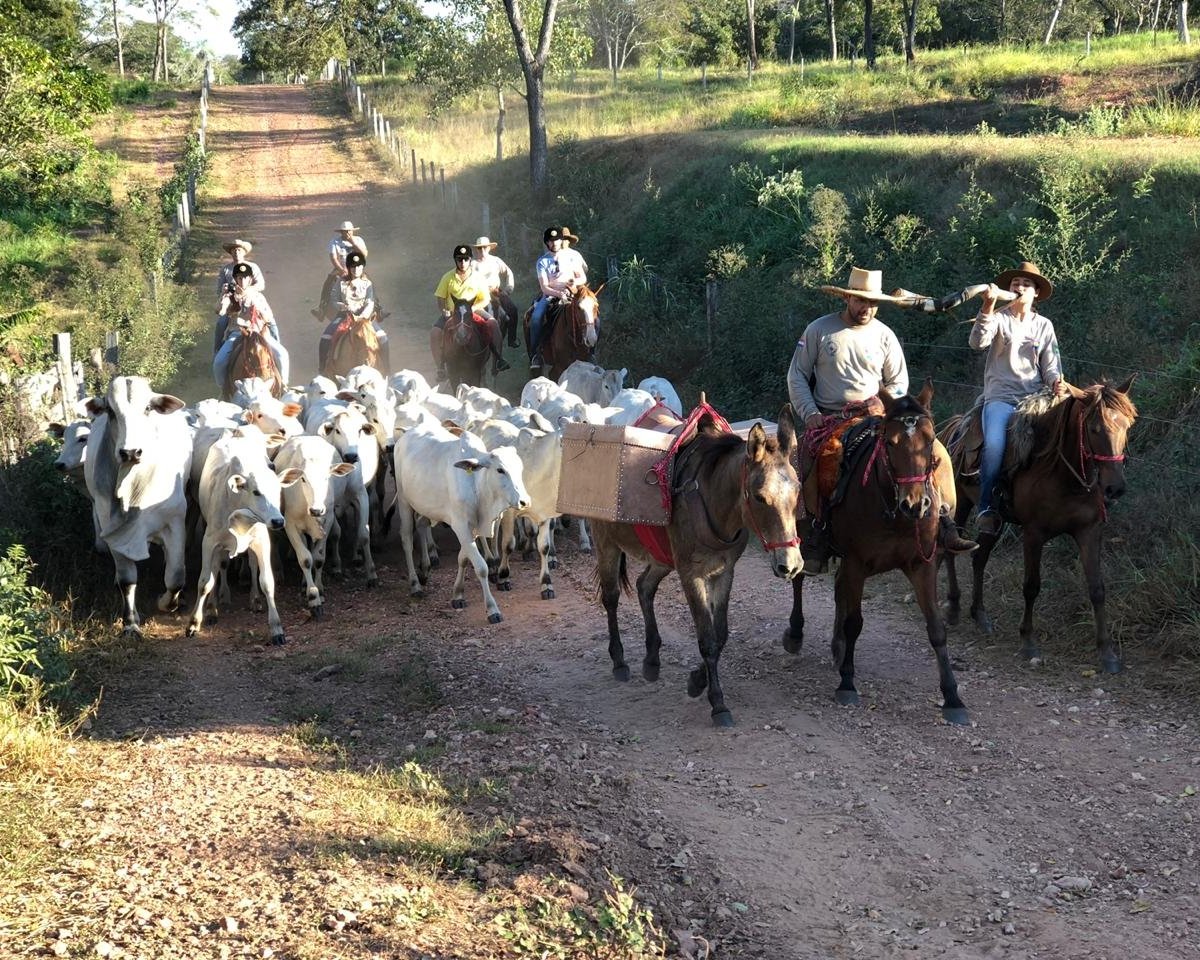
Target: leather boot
x=951, y=539
x=816, y=549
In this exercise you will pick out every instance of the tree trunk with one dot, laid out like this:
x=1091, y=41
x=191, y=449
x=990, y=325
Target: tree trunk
x=792, y=40
x=1053, y=20
x=500, y=121
x=120, y=44
x=869, y=32
x=1184, y=36
x=1003, y=20
x=1154, y=19
x=910, y=34
x=831, y=23
x=750, y=28
x=533, y=66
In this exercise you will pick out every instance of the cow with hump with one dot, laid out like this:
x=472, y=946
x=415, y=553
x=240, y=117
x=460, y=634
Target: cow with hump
x=139, y=454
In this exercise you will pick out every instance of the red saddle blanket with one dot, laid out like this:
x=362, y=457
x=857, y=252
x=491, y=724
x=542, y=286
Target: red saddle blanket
x=662, y=419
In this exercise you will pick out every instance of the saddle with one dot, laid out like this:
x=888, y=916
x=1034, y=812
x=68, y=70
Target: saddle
x=965, y=443
x=838, y=458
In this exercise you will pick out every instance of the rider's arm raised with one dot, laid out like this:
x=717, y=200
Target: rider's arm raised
x=987, y=323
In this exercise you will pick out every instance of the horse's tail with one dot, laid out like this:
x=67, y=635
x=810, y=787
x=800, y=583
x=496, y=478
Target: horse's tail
x=622, y=578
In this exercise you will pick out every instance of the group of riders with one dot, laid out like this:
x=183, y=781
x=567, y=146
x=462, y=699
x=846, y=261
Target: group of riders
x=841, y=362
x=480, y=278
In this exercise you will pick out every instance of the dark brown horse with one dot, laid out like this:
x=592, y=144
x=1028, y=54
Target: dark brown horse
x=573, y=330
x=355, y=343
x=465, y=346
x=251, y=358
x=724, y=487
x=1075, y=471
x=886, y=520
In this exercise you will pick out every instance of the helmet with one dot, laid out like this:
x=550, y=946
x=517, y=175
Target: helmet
x=551, y=233
x=243, y=270
x=462, y=252
x=355, y=259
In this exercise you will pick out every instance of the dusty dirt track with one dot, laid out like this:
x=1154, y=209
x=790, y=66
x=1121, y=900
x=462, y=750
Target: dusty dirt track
x=1059, y=825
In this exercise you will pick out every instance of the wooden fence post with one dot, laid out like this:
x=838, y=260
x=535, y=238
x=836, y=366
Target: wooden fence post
x=112, y=349
x=424, y=179
x=66, y=375
x=443, y=186
x=414, y=165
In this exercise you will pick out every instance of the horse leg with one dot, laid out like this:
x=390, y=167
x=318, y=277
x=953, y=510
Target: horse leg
x=609, y=572
x=705, y=599
x=923, y=577
x=953, y=593
x=979, y=561
x=585, y=539
x=793, y=633
x=1089, y=555
x=504, y=546
x=848, y=621
x=647, y=587
x=1033, y=544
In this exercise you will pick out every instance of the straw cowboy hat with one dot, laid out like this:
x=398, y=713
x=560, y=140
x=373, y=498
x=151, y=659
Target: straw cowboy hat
x=347, y=227
x=245, y=245
x=867, y=284
x=485, y=242
x=1045, y=289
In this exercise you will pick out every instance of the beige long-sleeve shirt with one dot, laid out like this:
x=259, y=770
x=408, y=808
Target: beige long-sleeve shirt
x=835, y=364
x=1022, y=354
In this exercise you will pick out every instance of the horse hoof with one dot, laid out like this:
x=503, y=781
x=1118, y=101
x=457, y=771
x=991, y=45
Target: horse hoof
x=847, y=698
x=792, y=642
x=697, y=681
x=587, y=549
x=548, y=593
x=621, y=673
x=317, y=612
x=423, y=578
x=984, y=622
x=722, y=719
x=951, y=615
x=650, y=672
x=492, y=578
x=458, y=604
x=957, y=716
x=504, y=585
x=278, y=639
x=257, y=605
x=1111, y=664
x=192, y=631
x=494, y=617
x=552, y=564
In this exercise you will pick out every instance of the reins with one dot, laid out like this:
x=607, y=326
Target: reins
x=925, y=479
x=1086, y=454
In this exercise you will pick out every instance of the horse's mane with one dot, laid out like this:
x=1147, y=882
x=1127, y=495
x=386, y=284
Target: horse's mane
x=1039, y=429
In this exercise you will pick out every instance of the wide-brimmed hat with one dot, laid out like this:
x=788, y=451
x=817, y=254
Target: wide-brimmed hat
x=246, y=246
x=347, y=227
x=1045, y=289
x=462, y=250
x=485, y=242
x=867, y=284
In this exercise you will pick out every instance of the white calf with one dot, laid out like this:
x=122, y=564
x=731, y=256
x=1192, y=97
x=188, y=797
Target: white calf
x=346, y=427
x=662, y=390
x=591, y=383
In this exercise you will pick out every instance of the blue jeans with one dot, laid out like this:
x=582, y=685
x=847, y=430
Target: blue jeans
x=225, y=354
x=540, y=305
x=996, y=414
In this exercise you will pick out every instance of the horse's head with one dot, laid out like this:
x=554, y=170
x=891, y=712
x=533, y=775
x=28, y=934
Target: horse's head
x=587, y=304
x=770, y=493
x=906, y=440
x=461, y=317
x=1105, y=417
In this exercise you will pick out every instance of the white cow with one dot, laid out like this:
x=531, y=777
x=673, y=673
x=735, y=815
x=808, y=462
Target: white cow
x=211, y=411
x=456, y=481
x=239, y=500
x=627, y=406
x=138, y=457
x=663, y=391
x=409, y=386
x=592, y=383
x=309, y=507
x=481, y=401
x=248, y=389
x=271, y=416
x=538, y=390
x=73, y=455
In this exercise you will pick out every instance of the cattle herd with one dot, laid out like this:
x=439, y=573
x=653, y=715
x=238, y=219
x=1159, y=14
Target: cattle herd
x=314, y=464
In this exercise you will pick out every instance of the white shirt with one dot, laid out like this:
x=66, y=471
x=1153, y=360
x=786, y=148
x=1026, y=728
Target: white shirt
x=494, y=273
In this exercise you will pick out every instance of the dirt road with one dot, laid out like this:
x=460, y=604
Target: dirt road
x=1059, y=825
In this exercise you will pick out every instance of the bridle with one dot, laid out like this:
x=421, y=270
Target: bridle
x=890, y=512
x=767, y=545
x=1086, y=454
x=460, y=317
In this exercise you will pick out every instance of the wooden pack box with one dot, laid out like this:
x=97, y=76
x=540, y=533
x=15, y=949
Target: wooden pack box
x=607, y=473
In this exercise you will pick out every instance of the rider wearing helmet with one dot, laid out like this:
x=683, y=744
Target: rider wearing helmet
x=248, y=308
x=560, y=272
x=357, y=297
x=462, y=283
x=237, y=250
x=344, y=241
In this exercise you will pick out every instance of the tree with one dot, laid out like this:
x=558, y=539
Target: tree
x=54, y=24
x=753, y=47
x=623, y=27
x=1182, y=16
x=910, y=30
x=869, y=32
x=1058, y=5
x=831, y=24
x=533, y=66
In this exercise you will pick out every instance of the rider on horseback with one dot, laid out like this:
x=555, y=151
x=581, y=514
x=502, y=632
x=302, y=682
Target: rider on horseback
x=245, y=308
x=498, y=278
x=358, y=300
x=841, y=363
x=237, y=250
x=344, y=242
x=462, y=283
x=560, y=272
x=1022, y=360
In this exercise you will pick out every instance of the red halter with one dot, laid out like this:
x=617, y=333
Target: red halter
x=766, y=545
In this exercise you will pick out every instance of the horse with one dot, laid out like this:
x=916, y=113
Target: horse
x=465, y=346
x=572, y=330
x=251, y=358
x=1074, y=472
x=722, y=486
x=887, y=519
x=355, y=343
x=506, y=314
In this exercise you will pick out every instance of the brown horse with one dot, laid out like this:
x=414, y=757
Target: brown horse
x=887, y=519
x=723, y=486
x=572, y=330
x=506, y=314
x=1075, y=471
x=464, y=346
x=251, y=358
x=355, y=343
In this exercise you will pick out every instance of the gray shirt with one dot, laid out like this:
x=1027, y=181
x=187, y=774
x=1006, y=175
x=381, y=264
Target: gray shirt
x=835, y=364
x=1022, y=355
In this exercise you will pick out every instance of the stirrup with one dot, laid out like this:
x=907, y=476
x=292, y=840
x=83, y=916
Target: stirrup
x=536, y=362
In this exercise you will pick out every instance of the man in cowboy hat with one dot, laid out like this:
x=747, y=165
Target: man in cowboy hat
x=238, y=250
x=846, y=358
x=1022, y=360
x=495, y=274
x=344, y=240
x=560, y=272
